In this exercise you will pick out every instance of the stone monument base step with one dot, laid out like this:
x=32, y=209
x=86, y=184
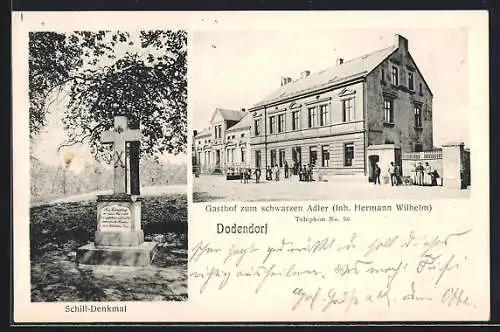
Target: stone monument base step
x=140, y=255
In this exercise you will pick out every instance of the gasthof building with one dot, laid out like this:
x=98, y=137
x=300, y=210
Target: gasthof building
x=345, y=118
x=342, y=120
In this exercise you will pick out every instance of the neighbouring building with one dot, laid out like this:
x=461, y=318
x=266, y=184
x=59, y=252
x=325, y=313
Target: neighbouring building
x=342, y=119
x=225, y=145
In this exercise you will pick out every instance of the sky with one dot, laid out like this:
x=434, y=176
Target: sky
x=236, y=69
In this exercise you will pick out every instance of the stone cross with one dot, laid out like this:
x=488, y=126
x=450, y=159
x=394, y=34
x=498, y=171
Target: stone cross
x=119, y=136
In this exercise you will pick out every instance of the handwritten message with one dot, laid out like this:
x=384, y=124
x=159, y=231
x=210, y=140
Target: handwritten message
x=338, y=273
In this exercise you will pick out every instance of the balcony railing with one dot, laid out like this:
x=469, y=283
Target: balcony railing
x=424, y=155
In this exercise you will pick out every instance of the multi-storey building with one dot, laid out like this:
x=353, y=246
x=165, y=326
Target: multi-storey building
x=344, y=119
x=225, y=144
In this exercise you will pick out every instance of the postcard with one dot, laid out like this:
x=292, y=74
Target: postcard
x=250, y=166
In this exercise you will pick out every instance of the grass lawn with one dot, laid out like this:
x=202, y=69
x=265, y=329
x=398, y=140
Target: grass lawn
x=57, y=230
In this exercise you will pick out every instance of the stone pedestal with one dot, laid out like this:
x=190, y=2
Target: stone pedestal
x=119, y=239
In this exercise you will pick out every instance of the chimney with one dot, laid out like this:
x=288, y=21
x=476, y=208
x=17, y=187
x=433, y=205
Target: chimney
x=401, y=42
x=305, y=73
x=285, y=80
x=340, y=61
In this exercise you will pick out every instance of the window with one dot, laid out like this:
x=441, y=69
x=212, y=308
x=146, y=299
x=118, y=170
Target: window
x=418, y=117
x=420, y=88
x=418, y=147
x=388, y=111
x=282, y=157
x=243, y=155
x=348, y=154
x=394, y=77
x=258, y=160
x=295, y=120
x=218, y=131
x=383, y=74
x=313, y=155
x=242, y=134
x=325, y=156
x=323, y=115
x=272, y=124
x=257, y=126
x=410, y=81
x=273, y=158
x=348, y=109
x=233, y=137
x=281, y=123
x=428, y=112
x=312, y=115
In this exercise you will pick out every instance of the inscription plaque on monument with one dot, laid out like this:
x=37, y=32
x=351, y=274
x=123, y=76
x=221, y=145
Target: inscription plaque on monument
x=115, y=218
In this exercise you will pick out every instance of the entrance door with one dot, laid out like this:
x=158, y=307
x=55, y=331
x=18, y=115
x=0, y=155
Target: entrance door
x=373, y=159
x=297, y=159
x=258, y=161
x=217, y=158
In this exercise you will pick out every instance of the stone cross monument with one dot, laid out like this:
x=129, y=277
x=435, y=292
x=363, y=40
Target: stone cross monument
x=119, y=136
x=119, y=239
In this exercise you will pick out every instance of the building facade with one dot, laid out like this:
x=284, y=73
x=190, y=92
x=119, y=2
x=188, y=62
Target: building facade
x=344, y=119
x=225, y=145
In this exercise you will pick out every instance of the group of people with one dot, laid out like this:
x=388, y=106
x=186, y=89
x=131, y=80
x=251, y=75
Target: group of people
x=246, y=174
x=306, y=173
x=273, y=172
x=421, y=175
x=424, y=175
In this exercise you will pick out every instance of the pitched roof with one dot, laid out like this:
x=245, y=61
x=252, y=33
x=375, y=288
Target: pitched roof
x=204, y=132
x=231, y=115
x=244, y=123
x=348, y=70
